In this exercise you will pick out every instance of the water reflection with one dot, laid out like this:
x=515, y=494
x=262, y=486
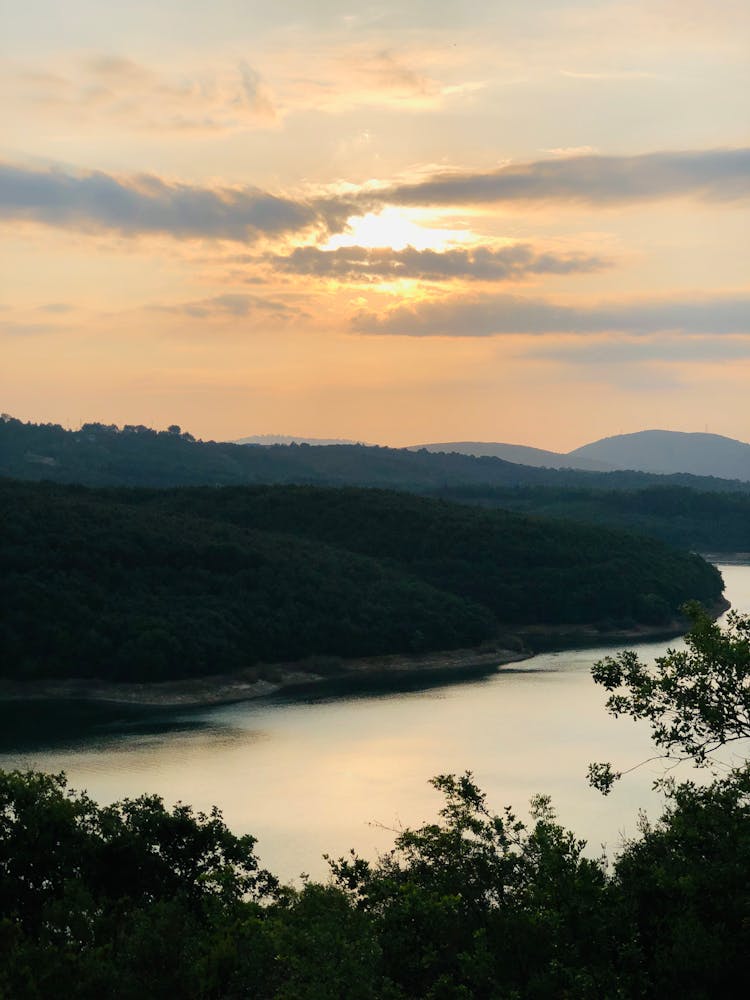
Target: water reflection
x=311, y=774
x=28, y=726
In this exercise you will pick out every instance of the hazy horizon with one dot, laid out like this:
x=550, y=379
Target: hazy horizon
x=274, y=438
x=390, y=223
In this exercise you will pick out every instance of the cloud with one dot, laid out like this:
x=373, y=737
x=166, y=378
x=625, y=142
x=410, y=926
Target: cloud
x=710, y=175
x=605, y=351
x=255, y=94
x=115, y=68
x=56, y=307
x=623, y=74
x=572, y=151
x=231, y=305
x=385, y=71
x=146, y=204
x=361, y=75
x=493, y=315
x=21, y=329
x=355, y=263
x=107, y=91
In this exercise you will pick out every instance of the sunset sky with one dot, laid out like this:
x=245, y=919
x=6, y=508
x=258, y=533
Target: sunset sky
x=390, y=222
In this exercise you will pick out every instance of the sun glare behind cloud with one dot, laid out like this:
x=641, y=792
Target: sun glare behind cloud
x=397, y=229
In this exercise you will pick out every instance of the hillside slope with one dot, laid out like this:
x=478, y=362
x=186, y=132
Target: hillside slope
x=685, y=518
x=653, y=451
x=154, y=584
x=520, y=454
x=524, y=569
x=668, y=452
x=99, y=455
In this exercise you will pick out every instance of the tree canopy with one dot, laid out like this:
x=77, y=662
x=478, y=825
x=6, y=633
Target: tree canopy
x=136, y=900
x=106, y=455
x=156, y=584
x=696, y=699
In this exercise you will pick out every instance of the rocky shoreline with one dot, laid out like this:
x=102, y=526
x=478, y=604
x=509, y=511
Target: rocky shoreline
x=268, y=679
x=259, y=682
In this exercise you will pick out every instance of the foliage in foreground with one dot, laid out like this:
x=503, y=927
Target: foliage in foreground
x=696, y=699
x=134, y=900
x=137, y=901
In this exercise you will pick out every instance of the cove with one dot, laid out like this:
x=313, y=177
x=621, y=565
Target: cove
x=329, y=771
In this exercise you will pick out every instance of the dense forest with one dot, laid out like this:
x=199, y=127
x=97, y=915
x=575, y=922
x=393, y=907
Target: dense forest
x=524, y=569
x=136, y=900
x=688, y=518
x=156, y=584
x=699, y=513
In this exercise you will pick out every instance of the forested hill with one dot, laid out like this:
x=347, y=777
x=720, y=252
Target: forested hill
x=525, y=569
x=688, y=519
x=101, y=455
x=153, y=584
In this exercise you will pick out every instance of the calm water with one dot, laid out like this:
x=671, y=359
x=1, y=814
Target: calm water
x=323, y=774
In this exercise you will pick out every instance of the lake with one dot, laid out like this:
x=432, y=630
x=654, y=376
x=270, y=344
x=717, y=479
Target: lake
x=323, y=774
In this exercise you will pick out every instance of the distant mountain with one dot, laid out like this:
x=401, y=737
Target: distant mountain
x=656, y=452
x=105, y=455
x=717, y=519
x=518, y=453
x=270, y=439
x=667, y=452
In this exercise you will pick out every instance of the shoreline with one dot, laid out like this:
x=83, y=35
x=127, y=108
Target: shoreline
x=727, y=558
x=321, y=672
x=557, y=638
x=245, y=685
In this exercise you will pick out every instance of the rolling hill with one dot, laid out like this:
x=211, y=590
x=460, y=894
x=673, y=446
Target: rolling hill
x=657, y=452
x=520, y=454
x=127, y=584
x=105, y=455
x=667, y=452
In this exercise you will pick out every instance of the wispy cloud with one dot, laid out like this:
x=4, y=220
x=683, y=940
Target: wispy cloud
x=13, y=328
x=114, y=92
x=363, y=75
x=109, y=91
x=146, y=204
x=56, y=307
x=623, y=74
x=363, y=264
x=572, y=151
x=712, y=175
x=492, y=315
x=232, y=305
x=605, y=351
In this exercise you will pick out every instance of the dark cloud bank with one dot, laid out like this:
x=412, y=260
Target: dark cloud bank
x=713, y=175
x=149, y=204
x=492, y=315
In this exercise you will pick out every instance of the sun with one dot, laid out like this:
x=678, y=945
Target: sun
x=395, y=228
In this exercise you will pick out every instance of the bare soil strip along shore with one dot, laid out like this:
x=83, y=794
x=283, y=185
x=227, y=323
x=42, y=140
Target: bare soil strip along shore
x=268, y=679
x=258, y=681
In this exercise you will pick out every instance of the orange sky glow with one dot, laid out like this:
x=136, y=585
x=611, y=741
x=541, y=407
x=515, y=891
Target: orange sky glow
x=394, y=223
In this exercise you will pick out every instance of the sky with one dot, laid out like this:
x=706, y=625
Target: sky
x=388, y=222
